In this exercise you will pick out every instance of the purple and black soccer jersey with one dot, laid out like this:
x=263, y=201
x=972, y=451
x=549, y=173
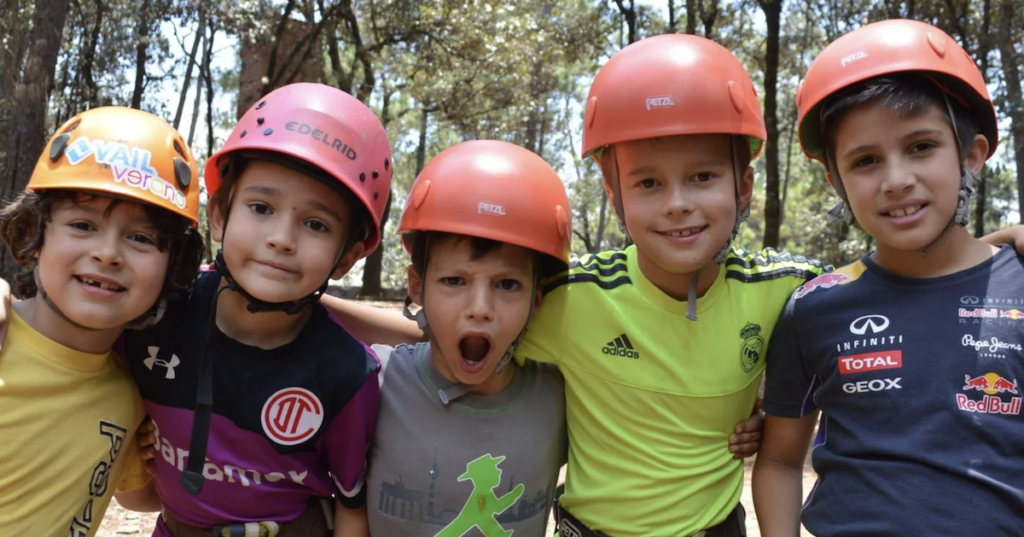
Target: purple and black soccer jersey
x=289, y=424
x=918, y=383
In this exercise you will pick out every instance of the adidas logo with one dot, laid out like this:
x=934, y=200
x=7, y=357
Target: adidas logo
x=621, y=346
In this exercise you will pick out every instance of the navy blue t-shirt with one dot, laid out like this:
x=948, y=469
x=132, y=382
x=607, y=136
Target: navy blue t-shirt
x=917, y=382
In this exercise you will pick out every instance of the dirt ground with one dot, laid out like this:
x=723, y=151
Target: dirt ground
x=119, y=521
x=122, y=522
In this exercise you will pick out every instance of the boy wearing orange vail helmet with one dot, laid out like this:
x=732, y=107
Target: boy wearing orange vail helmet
x=105, y=233
x=913, y=354
x=468, y=441
x=267, y=403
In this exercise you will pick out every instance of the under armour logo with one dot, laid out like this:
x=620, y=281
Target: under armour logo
x=153, y=360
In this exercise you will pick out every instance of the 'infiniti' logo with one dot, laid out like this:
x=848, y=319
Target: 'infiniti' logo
x=970, y=300
x=876, y=323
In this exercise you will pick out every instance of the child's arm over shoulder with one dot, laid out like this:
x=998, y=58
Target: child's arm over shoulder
x=350, y=522
x=374, y=325
x=789, y=425
x=1013, y=235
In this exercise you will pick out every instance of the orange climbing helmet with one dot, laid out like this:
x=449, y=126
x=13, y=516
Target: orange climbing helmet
x=669, y=85
x=125, y=152
x=887, y=47
x=493, y=190
x=323, y=127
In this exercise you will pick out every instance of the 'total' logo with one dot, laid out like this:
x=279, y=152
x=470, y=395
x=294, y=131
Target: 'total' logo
x=292, y=415
x=870, y=361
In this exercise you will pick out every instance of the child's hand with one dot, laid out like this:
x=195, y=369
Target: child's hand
x=145, y=437
x=746, y=438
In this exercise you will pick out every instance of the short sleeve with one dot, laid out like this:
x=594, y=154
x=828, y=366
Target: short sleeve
x=348, y=440
x=789, y=384
x=543, y=334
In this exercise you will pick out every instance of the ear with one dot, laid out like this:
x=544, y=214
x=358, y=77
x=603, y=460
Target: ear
x=415, y=285
x=976, y=154
x=611, y=200
x=746, y=187
x=354, y=254
x=216, y=220
x=538, y=301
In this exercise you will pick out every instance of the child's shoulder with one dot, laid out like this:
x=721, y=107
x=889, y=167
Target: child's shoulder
x=769, y=264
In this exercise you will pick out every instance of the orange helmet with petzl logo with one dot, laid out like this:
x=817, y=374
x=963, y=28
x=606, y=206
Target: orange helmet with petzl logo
x=671, y=85
x=493, y=190
x=888, y=47
x=125, y=152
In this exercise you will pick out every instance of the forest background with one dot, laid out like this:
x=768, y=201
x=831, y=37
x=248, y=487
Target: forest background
x=438, y=72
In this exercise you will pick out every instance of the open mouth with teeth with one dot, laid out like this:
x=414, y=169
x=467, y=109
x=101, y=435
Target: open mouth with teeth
x=905, y=211
x=473, y=351
x=683, y=233
x=101, y=285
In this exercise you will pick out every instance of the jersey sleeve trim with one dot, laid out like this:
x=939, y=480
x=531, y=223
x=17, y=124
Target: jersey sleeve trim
x=607, y=269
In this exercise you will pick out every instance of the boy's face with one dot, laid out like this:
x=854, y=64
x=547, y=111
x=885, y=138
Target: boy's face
x=102, y=270
x=475, y=307
x=901, y=174
x=285, y=233
x=679, y=199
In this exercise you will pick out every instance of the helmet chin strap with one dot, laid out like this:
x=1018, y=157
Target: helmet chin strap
x=255, y=305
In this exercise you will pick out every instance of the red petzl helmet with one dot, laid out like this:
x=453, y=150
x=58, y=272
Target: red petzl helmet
x=324, y=127
x=493, y=190
x=887, y=47
x=669, y=85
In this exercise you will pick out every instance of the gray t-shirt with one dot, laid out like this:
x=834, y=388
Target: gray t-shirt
x=918, y=384
x=477, y=466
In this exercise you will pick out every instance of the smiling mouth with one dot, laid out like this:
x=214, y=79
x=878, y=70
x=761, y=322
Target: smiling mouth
x=474, y=349
x=906, y=211
x=101, y=285
x=683, y=233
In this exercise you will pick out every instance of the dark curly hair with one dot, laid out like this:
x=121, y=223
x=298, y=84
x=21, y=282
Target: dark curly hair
x=23, y=222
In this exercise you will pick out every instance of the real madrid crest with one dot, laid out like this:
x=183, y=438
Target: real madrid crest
x=752, y=348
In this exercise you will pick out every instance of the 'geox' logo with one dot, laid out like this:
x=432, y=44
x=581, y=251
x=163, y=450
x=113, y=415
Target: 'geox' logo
x=663, y=101
x=621, y=346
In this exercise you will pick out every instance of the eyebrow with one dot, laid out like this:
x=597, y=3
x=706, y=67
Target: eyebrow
x=915, y=134
x=315, y=204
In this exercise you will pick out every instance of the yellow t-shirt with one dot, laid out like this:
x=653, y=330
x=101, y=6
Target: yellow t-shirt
x=651, y=397
x=67, y=434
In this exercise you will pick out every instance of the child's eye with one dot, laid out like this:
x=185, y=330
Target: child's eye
x=259, y=208
x=82, y=226
x=317, y=226
x=647, y=183
x=704, y=177
x=864, y=161
x=143, y=238
x=451, y=280
x=921, y=147
x=509, y=285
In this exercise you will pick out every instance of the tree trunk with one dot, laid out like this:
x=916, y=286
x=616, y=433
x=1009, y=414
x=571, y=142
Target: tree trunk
x=691, y=17
x=188, y=69
x=1014, y=99
x=629, y=15
x=199, y=93
x=373, y=267
x=31, y=92
x=141, y=54
x=421, y=147
x=984, y=47
x=772, y=211
x=209, y=90
x=672, y=22
x=602, y=221
x=90, y=58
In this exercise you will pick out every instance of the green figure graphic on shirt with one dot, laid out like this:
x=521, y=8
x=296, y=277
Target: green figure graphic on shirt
x=483, y=505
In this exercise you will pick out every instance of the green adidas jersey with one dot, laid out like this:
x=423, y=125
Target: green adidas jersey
x=651, y=397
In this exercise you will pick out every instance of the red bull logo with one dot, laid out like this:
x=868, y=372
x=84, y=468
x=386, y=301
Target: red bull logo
x=1014, y=314
x=992, y=384
x=824, y=281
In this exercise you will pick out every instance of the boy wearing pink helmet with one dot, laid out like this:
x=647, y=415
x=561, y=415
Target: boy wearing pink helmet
x=267, y=404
